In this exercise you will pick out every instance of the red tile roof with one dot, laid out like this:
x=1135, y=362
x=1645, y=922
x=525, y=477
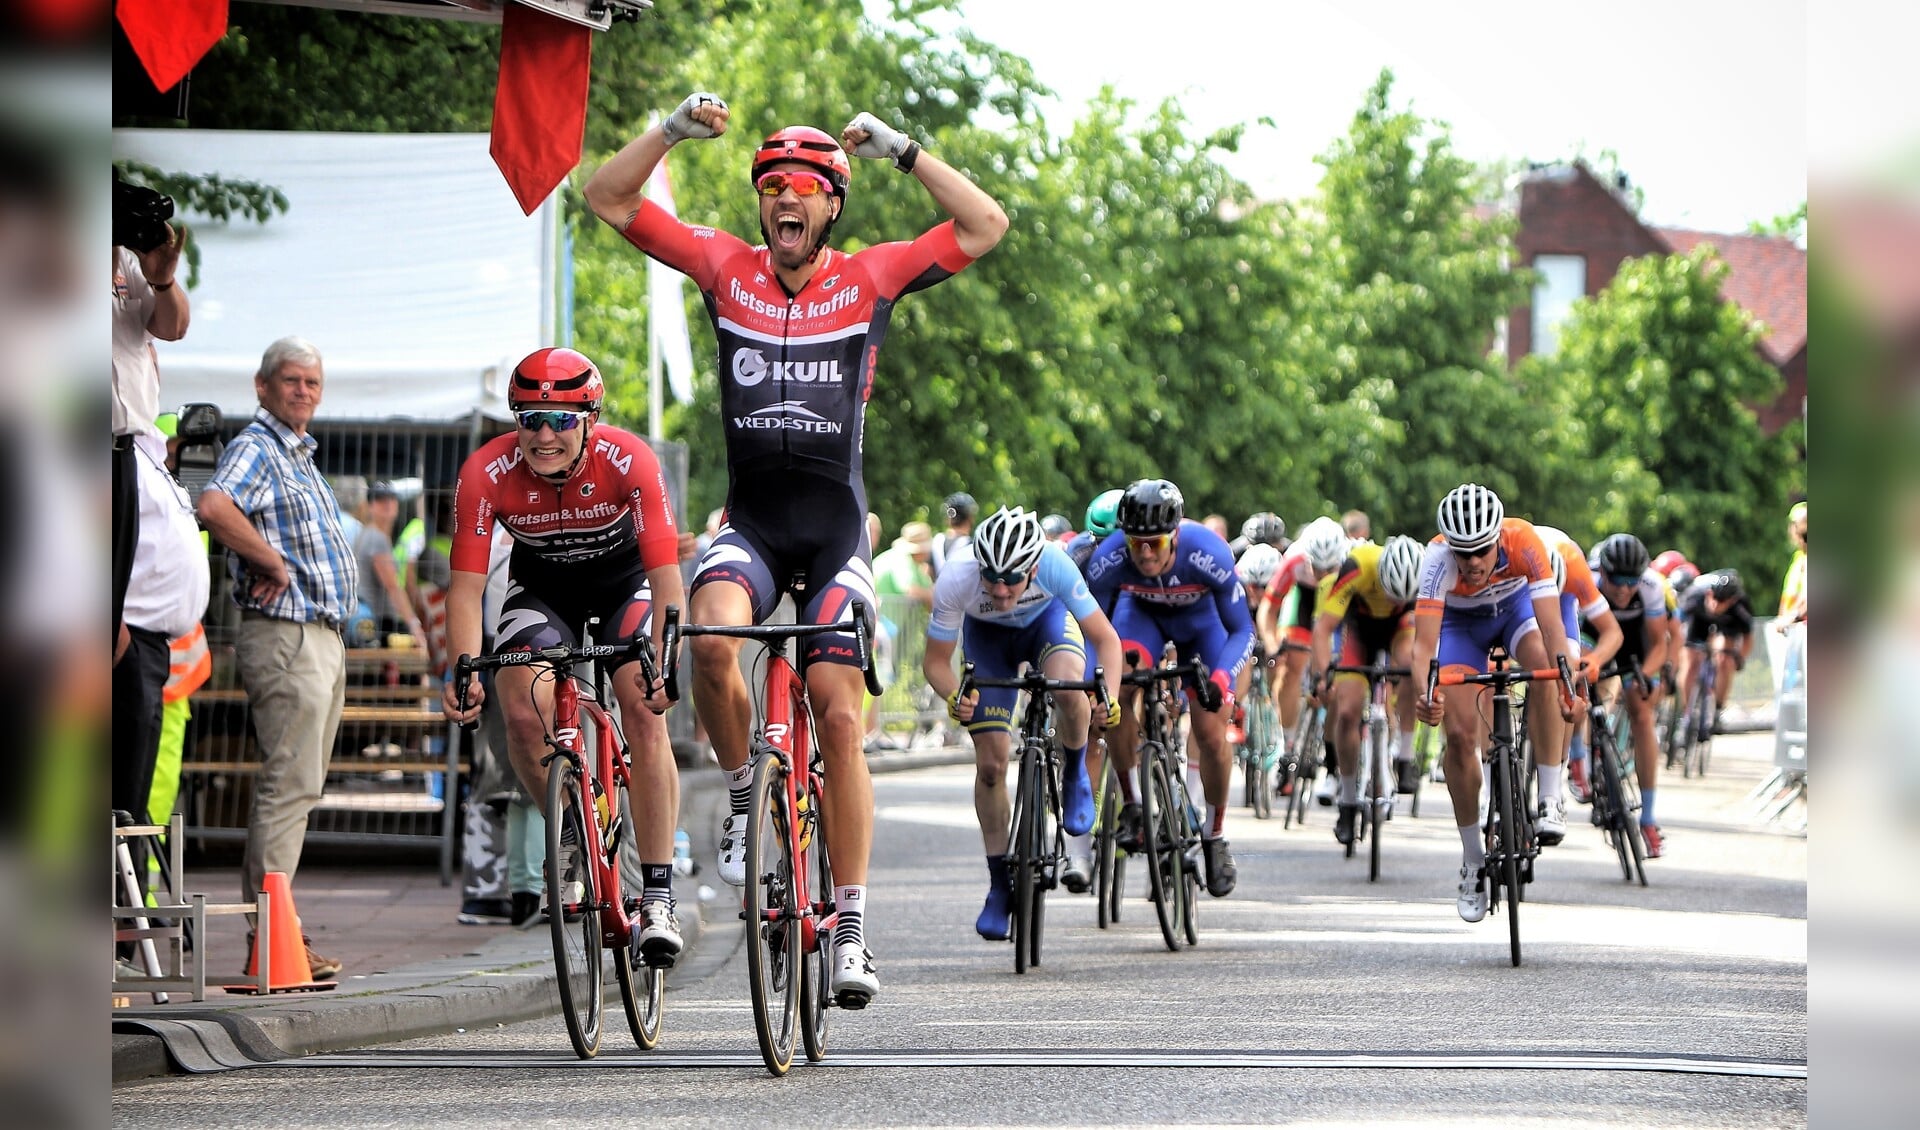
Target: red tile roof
x=1766, y=275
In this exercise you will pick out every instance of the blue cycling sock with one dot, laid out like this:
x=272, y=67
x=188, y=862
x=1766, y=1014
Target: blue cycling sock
x=1646, y=807
x=998, y=874
x=1579, y=750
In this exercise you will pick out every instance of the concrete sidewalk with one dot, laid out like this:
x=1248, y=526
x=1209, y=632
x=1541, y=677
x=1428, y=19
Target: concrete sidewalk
x=410, y=969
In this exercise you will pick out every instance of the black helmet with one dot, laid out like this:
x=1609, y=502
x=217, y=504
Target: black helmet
x=1725, y=585
x=1264, y=528
x=960, y=507
x=1151, y=506
x=1620, y=555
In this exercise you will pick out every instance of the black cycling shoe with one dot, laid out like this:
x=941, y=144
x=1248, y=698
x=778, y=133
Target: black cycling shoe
x=1406, y=776
x=1127, y=833
x=1221, y=872
x=1343, y=824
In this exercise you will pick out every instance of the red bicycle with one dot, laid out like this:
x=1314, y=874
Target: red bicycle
x=788, y=907
x=586, y=909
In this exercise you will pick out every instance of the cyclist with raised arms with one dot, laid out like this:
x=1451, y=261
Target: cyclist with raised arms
x=1368, y=605
x=799, y=327
x=1638, y=597
x=1314, y=556
x=1486, y=581
x=1580, y=602
x=593, y=536
x=1018, y=601
x=1164, y=579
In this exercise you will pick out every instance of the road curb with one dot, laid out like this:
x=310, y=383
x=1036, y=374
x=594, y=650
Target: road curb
x=507, y=980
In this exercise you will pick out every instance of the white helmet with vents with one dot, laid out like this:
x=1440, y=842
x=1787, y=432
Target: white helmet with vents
x=1009, y=541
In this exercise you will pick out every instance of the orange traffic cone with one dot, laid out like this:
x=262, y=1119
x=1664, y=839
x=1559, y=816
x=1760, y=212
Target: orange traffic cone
x=280, y=935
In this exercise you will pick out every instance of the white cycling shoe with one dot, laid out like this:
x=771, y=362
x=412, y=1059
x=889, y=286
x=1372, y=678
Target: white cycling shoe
x=854, y=979
x=733, y=850
x=1551, y=826
x=1471, y=900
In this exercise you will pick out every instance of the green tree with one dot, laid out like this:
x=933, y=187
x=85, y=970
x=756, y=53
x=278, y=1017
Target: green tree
x=1658, y=374
x=1410, y=284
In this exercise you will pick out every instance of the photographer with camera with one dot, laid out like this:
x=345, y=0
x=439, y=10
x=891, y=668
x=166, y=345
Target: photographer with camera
x=148, y=303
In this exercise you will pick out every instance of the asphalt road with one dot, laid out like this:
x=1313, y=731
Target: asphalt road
x=1313, y=997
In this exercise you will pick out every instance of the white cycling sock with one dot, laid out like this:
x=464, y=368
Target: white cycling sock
x=1349, y=789
x=1405, y=752
x=1475, y=850
x=740, y=788
x=850, y=901
x=1080, y=846
x=1550, y=784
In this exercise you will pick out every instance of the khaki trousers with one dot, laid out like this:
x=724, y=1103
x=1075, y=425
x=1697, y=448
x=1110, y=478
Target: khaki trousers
x=296, y=681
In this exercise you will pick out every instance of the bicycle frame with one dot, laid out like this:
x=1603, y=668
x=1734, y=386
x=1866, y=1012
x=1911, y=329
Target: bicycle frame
x=1171, y=883
x=790, y=907
x=1037, y=841
x=602, y=777
x=1511, y=846
x=1376, y=770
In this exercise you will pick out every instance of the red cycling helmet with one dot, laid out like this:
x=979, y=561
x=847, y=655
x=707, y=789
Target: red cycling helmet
x=808, y=146
x=1668, y=561
x=557, y=377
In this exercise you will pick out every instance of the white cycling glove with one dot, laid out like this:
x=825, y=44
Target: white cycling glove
x=681, y=124
x=883, y=141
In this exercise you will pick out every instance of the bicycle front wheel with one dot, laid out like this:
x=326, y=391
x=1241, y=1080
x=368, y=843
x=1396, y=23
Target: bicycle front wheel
x=1158, y=842
x=1508, y=843
x=1263, y=729
x=1110, y=863
x=573, y=909
x=643, y=991
x=1381, y=800
x=1028, y=802
x=816, y=968
x=772, y=916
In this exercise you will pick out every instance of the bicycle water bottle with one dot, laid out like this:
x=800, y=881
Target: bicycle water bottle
x=803, y=810
x=602, y=809
x=682, y=853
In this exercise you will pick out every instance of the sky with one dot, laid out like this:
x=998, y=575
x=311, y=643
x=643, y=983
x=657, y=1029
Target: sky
x=1703, y=101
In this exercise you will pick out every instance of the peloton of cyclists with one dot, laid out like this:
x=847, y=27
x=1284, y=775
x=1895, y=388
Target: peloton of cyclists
x=1313, y=557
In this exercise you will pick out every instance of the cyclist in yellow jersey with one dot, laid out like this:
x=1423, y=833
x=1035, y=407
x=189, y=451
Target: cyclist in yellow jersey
x=1368, y=602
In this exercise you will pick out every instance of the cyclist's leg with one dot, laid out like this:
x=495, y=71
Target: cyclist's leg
x=733, y=585
x=526, y=699
x=1401, y=650
x=1064, y=656
x=1548, y=730
x=1344, y=712
x=1464, y=642
x=993, y=808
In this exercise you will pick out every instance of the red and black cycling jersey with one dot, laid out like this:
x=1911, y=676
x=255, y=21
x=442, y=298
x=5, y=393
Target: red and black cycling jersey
x=610, y=518
x=796, y=370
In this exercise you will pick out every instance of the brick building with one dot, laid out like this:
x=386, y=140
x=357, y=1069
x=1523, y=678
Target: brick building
x=1575, y=231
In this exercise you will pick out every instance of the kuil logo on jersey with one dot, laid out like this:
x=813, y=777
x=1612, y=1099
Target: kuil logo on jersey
x=750, y=367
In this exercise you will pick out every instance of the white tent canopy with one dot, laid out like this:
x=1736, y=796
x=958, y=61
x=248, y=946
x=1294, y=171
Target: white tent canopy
x=402, y=257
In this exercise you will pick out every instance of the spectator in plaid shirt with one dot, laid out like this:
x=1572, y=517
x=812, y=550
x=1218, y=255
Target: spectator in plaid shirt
x=293, y=578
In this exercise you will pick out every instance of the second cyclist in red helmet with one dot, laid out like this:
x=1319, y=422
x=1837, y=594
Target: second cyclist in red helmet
x=799, y=327
x=593, y=536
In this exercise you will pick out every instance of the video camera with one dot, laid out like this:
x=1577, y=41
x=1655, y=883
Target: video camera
x=140, y=216
x=197, y=446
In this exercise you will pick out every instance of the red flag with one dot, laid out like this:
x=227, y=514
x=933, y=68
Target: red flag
x=540, y=104
x=170, y=36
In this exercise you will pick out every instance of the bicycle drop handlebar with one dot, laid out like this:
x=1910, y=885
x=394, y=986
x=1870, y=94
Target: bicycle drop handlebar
x=773, y=635
x=1036, y=682
x=1140, y=676
x=1501, y=678
x=562, y=656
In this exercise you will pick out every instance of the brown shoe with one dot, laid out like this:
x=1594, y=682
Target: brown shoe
x=323, y=968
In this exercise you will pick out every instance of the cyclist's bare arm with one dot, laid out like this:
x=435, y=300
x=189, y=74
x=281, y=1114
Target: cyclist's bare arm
x=978, y=219
x=615, y=188
x=464, y=592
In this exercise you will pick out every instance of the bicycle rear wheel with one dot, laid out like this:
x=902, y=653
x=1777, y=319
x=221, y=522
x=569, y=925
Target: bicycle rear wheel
x=643, y=991
x=772, y=914
x=816, y=966
x=1160, y=844
x=1508, y=843
x=1263, y=729
x=1610, y=809
x=1382, y=798
x=1189, y=885
x=1028, y=799
x=573, y=914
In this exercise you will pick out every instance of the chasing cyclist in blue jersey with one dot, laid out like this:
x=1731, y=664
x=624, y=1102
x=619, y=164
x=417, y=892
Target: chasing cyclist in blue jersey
x=1018, y=601
x=1167, y=580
